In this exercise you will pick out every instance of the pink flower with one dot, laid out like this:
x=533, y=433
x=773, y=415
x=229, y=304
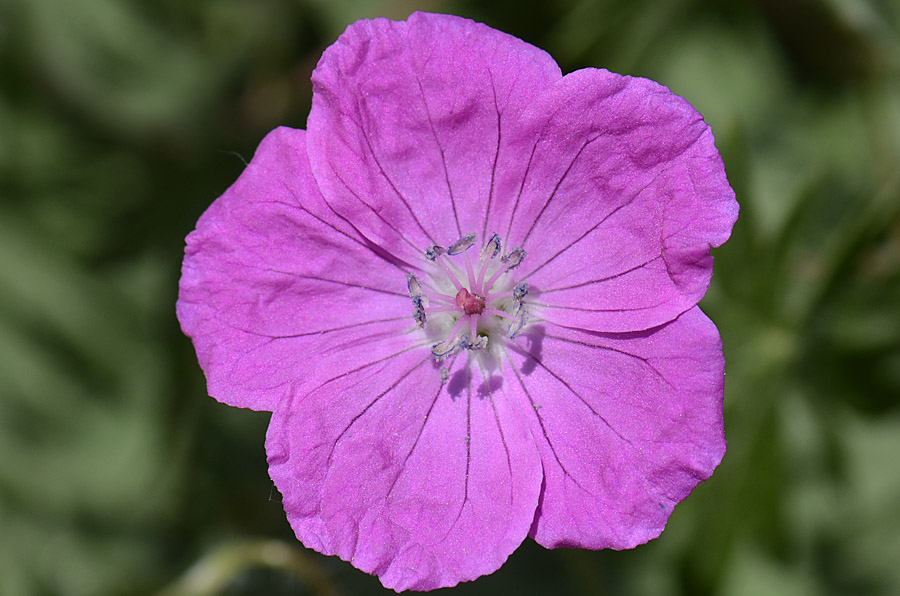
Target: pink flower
x=468, y=295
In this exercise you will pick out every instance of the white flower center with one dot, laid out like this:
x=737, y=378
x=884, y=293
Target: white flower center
x=463, y=306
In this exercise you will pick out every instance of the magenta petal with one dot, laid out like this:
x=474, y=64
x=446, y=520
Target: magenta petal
x=273, y=283
x=421, y=482
x=409, y=120
x=627, y=425
x=620, y=196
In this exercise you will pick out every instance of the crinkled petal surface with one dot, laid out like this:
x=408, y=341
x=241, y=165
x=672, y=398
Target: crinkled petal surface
x=619, y=193
x=587, y=428
x=272, y=283
x=420, y=482
x=409, y=121
x=627, y=425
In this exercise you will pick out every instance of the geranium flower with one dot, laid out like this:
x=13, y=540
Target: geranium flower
x=468, y=295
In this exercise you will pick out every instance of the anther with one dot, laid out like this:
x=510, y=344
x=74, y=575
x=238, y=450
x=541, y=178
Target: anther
x=513, y=258
x=520, y=290
x=434, y=252
x=492, y=248
x=480, y=342
x=518, y=323
x=419, y=310
x=463, y=244
x=415, y=288
x=447, y=348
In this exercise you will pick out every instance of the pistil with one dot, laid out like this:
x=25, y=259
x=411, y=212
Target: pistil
x=471, y=304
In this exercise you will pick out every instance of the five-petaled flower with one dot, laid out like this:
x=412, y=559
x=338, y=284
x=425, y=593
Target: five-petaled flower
x=468, y=295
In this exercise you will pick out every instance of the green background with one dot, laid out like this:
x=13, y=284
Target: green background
x=121, y=120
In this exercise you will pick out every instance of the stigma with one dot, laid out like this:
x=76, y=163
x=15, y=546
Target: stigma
x=471, y=304
x=467, y=305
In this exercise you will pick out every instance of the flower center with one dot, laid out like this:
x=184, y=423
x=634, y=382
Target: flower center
x=469, y=306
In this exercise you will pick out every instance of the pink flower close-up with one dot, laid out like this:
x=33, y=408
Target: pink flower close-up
x=468, y=295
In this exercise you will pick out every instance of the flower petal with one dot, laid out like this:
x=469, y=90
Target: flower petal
x=408, y=122
x=273, y=282
x=618, y=201
x=627, y=426
x=421, y=482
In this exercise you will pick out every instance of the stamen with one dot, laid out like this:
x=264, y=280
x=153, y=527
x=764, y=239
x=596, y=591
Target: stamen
x=446, y=348
x=469, y=271
x=513, y=258
x=434, y=252
x=479, y=285
x=418, y=311
x=480, y=343
x=451, y=345
x=450, y=275
x=415, y=288
x=520, y=291
x=519, y=321
x=440, y=298
x=492, y=246
x=463, y=244
x=443, y=309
